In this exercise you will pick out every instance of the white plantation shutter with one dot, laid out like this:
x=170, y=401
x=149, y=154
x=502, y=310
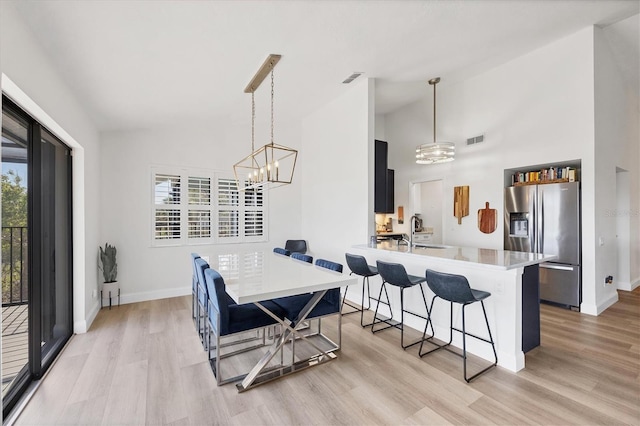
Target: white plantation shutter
x=254, y=224
x=202, y=207
x=167, y=189
x=167, y=224
x=228, y=208
x=167, y=213
x=199, y=216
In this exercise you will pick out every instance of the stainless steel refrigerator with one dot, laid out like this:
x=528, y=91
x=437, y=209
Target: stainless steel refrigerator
x=546, y=219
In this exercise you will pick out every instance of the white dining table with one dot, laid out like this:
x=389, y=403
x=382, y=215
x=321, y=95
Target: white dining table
x=252, y=276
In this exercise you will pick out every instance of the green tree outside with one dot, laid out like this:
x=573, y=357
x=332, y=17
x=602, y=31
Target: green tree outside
x=14, y=215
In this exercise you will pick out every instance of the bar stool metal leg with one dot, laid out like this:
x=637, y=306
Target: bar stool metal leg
x=356, y=309
x=456, y=288
x=375, y=315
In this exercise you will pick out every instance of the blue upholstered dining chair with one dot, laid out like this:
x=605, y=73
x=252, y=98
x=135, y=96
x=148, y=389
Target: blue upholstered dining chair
x=297, y=246
x=194, y=290
x=226, y=318
x=456, y=289
x=200, y=266
x=302, y=257
x=282, y=251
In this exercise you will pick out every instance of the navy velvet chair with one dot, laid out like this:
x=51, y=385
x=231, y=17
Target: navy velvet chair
x=226, y=318
x=282, y=251
x=298, y=246
x=359, y=266
x=456, y=289
x=194, y=289
x=200, y=266
x=302, y=257
x=395, y=274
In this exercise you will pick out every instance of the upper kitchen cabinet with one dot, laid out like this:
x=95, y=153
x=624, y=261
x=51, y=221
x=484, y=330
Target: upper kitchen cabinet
x=383, y=180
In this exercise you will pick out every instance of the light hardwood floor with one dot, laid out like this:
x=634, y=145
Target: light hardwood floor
x=143, y=364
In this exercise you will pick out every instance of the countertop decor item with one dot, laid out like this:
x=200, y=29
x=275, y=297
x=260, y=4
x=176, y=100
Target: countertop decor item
x=487, y=219
x=436, y=152
x=460, y=202
x=271, y=165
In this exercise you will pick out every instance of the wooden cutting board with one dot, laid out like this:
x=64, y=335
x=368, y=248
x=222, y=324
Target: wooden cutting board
x=487, y=219
x=460, y=202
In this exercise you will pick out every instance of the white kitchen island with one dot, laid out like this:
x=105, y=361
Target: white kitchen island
x=511, y=278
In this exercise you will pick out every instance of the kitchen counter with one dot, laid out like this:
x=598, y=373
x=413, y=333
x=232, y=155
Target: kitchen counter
x=511, y=277
x=486, y=258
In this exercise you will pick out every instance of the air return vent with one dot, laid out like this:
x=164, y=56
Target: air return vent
x=475, y=140
x=352, y=77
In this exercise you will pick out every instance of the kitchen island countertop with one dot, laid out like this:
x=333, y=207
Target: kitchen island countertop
x=489, y=258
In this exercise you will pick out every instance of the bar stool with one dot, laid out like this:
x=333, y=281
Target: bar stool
x=456, y=289
x=396, y=275
x=359, y=266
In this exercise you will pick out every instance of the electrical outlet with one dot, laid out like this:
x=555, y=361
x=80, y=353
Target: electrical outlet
x=608, y=280
x=95, y=293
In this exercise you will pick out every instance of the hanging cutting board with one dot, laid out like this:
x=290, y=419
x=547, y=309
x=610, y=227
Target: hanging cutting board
x=460, y=202
x=487, y=219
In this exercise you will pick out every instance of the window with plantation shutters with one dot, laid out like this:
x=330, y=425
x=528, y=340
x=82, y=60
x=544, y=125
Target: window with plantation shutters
x=203, y=207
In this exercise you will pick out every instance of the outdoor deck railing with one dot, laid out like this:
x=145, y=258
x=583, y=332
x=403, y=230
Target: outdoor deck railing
x=14, y=265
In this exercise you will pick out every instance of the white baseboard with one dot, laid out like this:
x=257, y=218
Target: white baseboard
x=596, y=310
x=629, y=286
x=154, y=295
x=83, y=325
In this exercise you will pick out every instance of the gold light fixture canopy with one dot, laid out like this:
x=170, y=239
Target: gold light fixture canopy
x=271, y=165
x=436, y=152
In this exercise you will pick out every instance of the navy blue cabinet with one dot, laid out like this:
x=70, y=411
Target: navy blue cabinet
x=383, y=179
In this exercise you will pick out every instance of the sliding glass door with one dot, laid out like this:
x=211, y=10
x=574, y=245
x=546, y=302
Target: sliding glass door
x=36, y=249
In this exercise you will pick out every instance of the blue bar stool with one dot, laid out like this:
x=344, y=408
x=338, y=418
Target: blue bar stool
x=396, y=275
x=359, y=266
x=456, y=289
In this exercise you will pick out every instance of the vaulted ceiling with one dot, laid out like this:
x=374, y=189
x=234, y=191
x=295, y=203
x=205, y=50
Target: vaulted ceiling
x=135, y=64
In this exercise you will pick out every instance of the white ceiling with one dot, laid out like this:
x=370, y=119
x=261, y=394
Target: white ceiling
x=135, y=64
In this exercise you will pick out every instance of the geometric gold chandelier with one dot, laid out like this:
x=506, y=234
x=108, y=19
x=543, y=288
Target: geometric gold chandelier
x=271, y=165
x=436, y=152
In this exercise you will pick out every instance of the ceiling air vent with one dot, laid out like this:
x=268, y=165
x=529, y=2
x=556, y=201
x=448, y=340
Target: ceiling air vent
x=475, y=140
x=352, y=77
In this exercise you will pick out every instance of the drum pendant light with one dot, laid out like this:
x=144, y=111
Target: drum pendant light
x=436, y=152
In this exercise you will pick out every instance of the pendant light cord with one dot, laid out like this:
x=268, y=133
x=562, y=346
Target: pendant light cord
x=434, y=112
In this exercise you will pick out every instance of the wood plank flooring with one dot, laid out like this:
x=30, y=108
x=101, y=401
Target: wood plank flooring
x=143, y=364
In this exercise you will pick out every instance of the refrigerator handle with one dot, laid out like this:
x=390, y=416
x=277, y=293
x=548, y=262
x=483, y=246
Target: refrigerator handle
x=533, y=234
x=540, y=223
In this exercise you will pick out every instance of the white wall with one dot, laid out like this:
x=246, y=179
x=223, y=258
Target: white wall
x=430, y=208
x=36, y=86
x=336, y=169
x=146, y=272
x=536, y=109
x=614, y=147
